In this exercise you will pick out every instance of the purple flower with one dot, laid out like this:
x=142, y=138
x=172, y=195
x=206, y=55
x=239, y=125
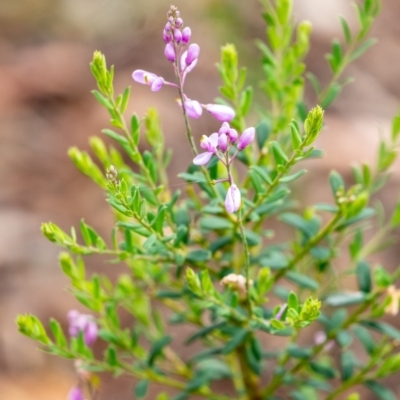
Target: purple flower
x=224, y=128
x=178, y=22
x=75, y=394
x=223, y=142
x=192, y=107
x=233, y=199
x=82, y=323
x=170, y=52
x=233, y=135
x=177, y=35
x=246, y=138
x=167, y=36
x=192, y=53
x=148, y=78
x=167, y=27
x=221, y=112
x=184, y=67
x=210, y=144
x=186, y=34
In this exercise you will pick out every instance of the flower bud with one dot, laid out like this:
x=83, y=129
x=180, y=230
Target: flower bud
x=178, y=22
x=233, y=199
x=192, y=53
x=223, y=142
x=75, y=394
x=169, y=52
x=186, y=34
x=233, y=135
x=246, y=138
x=236, y=283
x=192, y=107
x=166, y=36
x=224, y=128
x=184, y=66
x=221, y=112
x=167, y=27
x=313, y=124
x=177, y=35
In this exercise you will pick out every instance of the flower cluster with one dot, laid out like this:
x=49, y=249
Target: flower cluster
x=82, y=323
x=221, y=145
x=177, y=38
x=236, y=283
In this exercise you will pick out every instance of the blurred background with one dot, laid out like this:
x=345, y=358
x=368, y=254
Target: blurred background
x=46, y=107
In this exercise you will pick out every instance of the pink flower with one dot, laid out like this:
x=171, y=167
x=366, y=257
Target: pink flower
x=246, y=138
x=192, y=107
x=221, y=112
x=210, y=144
x=233, y=199
x=192, y=53
x=186, y=34
x=75, y=394
x=184, y=66
x=82, y=323
x=169, y=52
x=148, y=78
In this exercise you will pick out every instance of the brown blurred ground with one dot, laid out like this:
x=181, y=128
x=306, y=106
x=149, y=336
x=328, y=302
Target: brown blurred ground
x=46, y=107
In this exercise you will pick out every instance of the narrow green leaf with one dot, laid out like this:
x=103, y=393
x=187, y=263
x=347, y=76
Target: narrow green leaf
x=345, y=299
x=362, y=49
x=381, y=391
x=302, y=280
x=237, y=338
x=157, y=349
x=363, y=272
x=346, y=30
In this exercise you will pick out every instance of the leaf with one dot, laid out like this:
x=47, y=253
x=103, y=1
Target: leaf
x=364, y=214
x=365, y=338
x=141, y=388
x=303, y=281
x=362, y=49
x=293, y=177
x=324, y=370
x=263, y=131
x=331, y=95
x=346, y=30
x=215, y=223
x=102, y=100
x=213, y=368
x=347, y=365
x=336, y=182
x=345, y=299
x=204, y=332
x=157, y=348
x=381, y=391
x=314, y=82
x=279, y=155
x=363, y=272
x=262, y=173
x=383, y=328
x=237, y=339
x=199, y=255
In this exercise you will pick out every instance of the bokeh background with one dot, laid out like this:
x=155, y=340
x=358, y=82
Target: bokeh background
x=46, y=107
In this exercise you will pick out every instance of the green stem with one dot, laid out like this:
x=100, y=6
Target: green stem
x=246, y=264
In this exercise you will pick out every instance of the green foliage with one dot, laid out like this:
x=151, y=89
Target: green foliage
x=191, y=263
